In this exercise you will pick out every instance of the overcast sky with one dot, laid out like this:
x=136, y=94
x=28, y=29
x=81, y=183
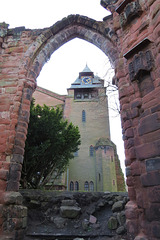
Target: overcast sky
x=65, y=64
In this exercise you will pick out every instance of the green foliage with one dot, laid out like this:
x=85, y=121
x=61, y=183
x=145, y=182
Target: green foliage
x=51, y=142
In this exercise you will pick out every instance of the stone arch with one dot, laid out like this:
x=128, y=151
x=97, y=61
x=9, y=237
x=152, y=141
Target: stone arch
x=37, y=54
x=74, y=26
x=23, y=54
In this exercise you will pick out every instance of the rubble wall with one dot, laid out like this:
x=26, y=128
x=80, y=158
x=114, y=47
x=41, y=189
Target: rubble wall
x=68, y=215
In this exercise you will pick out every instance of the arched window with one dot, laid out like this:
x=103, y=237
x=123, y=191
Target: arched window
x=91, y=150
x=86, y=186
x=113, y=182
x=76, y=154
x=83, y=116
x=91, y=186
x=112, y=158
x=76, y=186
x=99, y=176
x=71, y=186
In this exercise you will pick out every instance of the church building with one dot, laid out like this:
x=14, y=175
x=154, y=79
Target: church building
x=95, y=166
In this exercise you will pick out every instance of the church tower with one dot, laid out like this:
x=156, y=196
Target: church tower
x=96, y=166
x=86, y=105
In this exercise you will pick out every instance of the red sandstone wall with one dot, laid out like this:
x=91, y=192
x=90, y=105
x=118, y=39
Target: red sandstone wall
x=137, y=71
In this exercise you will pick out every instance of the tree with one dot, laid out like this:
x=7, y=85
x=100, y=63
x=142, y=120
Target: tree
x=111, y=85
x=50, y=144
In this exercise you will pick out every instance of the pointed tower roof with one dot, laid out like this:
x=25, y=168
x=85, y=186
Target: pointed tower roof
x=86, y=69
x=95, y=80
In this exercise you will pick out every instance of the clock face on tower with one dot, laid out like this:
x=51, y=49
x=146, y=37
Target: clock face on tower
x=86, y=80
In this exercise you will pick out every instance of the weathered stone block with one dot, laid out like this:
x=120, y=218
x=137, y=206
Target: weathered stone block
x=132, y=228
x=18, y=158
x=129, y=181
x=129, y=143
x=129, y=133
x=136, y=168
x=153, y=212
x=15, y=167
x=60, y=222
x=69, y=211
x=155, y=229
x=12, y=198
x=3, y=185
x=134, y=113
x=20, y=143
x=68, y=203
x=152, y=164
x=121, y=218
x=150, y=179
x=149, y=124
x=29, y=94
x=154, y=194
x=16, y=211
x=155, y=109
x=131, y=193
x=127, y=124
x=24, y=222
x=131, y=153
x=92, y=219
x=13, y=185
x=112, y=223
x=117, y=206
x=148, y=150
x=18, y=150
x=136, y=103
x=4, y=174
x=121, y=230
x=131, y=211
x=15, y=175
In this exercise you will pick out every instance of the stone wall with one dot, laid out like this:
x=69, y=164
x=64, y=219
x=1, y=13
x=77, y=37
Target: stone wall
x=23, y=52
x=137, y=71
x=69, y=215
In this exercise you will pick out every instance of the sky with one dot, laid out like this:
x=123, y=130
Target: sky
x=65, y=63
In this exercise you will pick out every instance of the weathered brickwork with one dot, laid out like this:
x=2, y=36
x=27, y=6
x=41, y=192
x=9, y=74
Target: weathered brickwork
x=130, y=38
x=137, y=24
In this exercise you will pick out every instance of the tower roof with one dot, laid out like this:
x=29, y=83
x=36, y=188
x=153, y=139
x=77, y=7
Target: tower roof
x=86, y=72
x=86, y=69
x=95, y=80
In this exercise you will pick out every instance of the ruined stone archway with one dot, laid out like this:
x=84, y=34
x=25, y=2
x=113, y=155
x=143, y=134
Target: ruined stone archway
x=24, y=52
x=41, y=45
x=130, y=38
x=39, y=53
x=73, y=26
